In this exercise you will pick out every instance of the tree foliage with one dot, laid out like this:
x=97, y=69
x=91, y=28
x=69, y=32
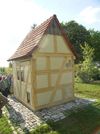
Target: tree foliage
x=10, y=64
x=77, y=34
x=87, y=67
x=2, y=70
x=5, y=70
x=95, y=43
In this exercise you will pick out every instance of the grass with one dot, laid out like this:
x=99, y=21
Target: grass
x=43, y=129
x=88, y=90
x=85, y=120
x=5, y=128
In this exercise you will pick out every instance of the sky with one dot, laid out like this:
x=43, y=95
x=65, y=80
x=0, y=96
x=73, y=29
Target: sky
x=18, y=16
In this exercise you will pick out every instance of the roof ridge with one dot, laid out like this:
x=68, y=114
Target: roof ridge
x=50, y=18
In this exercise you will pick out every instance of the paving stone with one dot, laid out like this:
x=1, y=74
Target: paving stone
x=28, y=119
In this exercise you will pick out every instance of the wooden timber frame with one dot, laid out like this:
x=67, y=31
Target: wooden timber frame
x=46, y=77
x=52, y=88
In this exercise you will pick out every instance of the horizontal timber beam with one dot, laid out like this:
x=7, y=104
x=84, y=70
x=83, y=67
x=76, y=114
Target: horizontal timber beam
x=42, y=90
x=54, y=103
x=53, y=54
x=40, y=72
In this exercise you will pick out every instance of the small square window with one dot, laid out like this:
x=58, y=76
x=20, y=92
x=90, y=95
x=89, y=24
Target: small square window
x=28, y=97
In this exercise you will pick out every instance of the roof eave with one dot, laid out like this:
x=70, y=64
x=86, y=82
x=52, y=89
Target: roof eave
x=19, y=58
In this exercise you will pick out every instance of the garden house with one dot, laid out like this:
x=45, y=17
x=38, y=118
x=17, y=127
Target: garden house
x=43, y=67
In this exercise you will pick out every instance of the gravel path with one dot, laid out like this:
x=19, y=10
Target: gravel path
x=28, y=119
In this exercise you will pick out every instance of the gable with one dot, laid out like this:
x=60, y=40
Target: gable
x=33, y=40
x=53, y=28
x=62, y=46
x=53, y=40
x=54, y=43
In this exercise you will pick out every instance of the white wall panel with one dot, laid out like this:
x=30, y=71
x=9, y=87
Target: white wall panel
x=40, y=63
x=61, y=45
x=42, y=81
x=53, y=79
x=66, y=78
x=69, y=92
x=56, y=62
x=58, y=95
x=47, y=44
x=43, y=98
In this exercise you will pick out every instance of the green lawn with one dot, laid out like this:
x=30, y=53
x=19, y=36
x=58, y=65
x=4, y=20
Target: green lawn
x=88, y=90
x=5, y=128
x=85, y=120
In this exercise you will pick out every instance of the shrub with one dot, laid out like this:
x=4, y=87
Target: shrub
x=43, y=129
x=86, y=69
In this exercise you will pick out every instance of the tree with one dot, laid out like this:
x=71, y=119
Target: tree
x=87, y=67
x=10, y=64
x=34, y=26
x=77, y=34
x=95, y=43
x=2, y=70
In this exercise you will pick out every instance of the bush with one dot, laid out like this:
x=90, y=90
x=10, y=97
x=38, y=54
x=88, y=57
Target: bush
x=43, y=129
x=86, y=69
x=96, y=74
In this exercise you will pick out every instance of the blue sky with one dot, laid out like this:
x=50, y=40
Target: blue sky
x=17, y=17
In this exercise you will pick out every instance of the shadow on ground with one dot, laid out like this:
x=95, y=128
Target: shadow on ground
x=82, y=121
x=81, y=116
x=14, y=116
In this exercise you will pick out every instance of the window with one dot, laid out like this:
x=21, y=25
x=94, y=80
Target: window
x=69, y=64
x=22, y=75
x=28, y=97
x=18, y=75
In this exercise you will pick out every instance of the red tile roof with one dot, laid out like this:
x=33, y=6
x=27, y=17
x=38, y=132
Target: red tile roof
x=33, y=38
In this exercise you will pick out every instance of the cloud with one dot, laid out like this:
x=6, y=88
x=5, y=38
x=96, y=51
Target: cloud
x=90, y=15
